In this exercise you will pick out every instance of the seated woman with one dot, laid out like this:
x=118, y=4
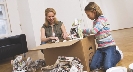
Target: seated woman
x=52, y=29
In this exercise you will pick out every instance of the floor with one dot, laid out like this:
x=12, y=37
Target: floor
x=123, y=38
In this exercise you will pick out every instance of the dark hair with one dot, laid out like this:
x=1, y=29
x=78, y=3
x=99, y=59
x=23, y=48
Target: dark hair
x=93, y=7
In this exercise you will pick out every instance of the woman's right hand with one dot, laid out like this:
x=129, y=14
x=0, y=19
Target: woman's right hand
x=54, y=38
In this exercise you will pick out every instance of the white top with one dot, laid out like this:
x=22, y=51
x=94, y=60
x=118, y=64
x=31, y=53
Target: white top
x=53, y=34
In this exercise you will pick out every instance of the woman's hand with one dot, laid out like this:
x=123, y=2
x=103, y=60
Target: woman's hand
x=53, y=38
x=86, y=32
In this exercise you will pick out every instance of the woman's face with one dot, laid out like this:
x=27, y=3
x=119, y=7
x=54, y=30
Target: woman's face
x=90, y=15
x=50, y=17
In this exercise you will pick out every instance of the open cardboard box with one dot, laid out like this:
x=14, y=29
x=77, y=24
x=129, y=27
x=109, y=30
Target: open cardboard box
x=83, y=49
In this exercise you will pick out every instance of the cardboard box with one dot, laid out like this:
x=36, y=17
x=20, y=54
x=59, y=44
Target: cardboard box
x=83, y=49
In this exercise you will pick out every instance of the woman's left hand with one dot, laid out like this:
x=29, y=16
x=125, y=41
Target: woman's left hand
x=65, y=35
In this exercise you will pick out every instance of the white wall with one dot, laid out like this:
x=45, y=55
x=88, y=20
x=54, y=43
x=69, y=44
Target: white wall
x=26, y=22
x=14, y=16
x=128, y=11
x=37, y=15
x=115, y=12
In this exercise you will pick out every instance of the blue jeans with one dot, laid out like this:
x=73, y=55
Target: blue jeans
x=42, y=44
x=105, y=57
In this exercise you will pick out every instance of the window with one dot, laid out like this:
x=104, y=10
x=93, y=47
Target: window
x=3, y=18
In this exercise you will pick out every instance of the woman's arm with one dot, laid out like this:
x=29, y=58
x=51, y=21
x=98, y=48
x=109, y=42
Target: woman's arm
x=43, y=37
x=64, y=31
x=63, y=28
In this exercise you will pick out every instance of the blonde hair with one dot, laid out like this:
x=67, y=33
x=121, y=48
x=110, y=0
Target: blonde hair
x=93, y=7
x=46, y=12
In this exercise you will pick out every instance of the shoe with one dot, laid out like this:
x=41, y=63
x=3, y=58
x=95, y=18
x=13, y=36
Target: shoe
x=121, y=53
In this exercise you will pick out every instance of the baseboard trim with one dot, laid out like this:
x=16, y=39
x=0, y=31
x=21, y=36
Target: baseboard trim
x=122, y=29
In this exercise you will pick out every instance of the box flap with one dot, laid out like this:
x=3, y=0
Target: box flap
x=55, y=45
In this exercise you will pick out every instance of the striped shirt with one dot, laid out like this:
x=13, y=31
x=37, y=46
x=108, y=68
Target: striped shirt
x=102, y=32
